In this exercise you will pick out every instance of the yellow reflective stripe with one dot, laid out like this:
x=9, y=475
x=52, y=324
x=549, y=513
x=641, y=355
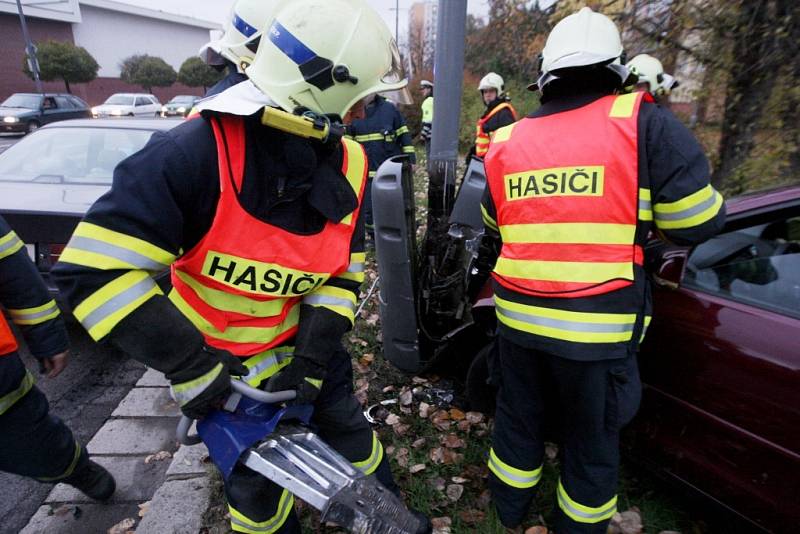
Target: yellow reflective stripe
x=369, y=137
x=265, y=364
x=408, y=149
x=503, y=134
x=645, y=205
x=582, y=513
x=580, y=233
x=116, y=246
x=37, y=315
x=185, y=392
x=400, y=131
x=358, y=257
x=487, y=219
x=72, y=465
x=316, y=382
x=225, y=301
x=353, y=277
x=517, y=478
x=647, y=320
x=236, y=334
x=9, y=399
x=369, y=465
x=341, y=301
x=356, y=167
x=691, y=210
x=564, y=271
x=241, y=523
x=9, y=244
x=579, y=327
x=103, y=309
x=623, y=106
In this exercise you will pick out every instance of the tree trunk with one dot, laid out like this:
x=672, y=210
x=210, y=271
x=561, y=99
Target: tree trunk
x=752, y=78
x=66, y=83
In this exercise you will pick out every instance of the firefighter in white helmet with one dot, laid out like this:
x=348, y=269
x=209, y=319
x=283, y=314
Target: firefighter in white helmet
x=499, y=112
x=573, y=190
x=263, y=232
x=651, y=76
x=237, y=47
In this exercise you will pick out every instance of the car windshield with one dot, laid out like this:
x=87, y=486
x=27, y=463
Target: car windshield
x=182, y=100
x=22, y=101
x=119, y=100
x=70, y=155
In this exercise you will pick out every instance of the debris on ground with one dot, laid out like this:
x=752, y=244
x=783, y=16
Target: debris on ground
x=123, y=527
x=158, y=457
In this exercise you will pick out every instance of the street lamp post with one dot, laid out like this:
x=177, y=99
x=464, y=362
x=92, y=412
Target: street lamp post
x=30, y=50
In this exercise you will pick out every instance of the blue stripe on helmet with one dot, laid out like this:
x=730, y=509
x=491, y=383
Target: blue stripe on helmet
x=243, y=27
x=289, y=44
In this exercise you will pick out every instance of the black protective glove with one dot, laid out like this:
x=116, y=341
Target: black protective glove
x=205, y=382
x=303, y=375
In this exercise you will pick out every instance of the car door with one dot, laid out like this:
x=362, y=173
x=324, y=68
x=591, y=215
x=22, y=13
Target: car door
x=66, y=109
x=50, y=112
x=721, y=365
x=142, y=106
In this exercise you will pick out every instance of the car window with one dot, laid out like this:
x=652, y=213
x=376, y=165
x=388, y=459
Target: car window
x=22, y=101
x=119, y=100
x=77, y=102
x=153, y=100
x=64, y=102
x=142, y=101
x=70, y=155
x=758, y=265
x=49, y=103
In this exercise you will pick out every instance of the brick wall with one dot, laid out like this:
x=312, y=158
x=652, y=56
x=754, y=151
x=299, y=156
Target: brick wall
x=12, y=51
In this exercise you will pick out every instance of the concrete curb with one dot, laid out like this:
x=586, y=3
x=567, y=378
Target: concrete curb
x=180, y=503
x=142, y=424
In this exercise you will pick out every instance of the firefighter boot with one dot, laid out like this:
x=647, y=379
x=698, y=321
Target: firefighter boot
x=93, y=480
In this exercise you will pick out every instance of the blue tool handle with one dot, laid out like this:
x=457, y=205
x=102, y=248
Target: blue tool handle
x=182, y=431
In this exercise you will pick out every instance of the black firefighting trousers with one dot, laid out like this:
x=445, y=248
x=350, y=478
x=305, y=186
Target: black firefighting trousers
x=258, y=505
x=591, y=402
x=33, y=443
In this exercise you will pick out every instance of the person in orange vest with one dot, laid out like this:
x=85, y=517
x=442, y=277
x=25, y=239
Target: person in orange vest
x=263, y=233
x=573, y=191
x=34, y=443
x=499, y=112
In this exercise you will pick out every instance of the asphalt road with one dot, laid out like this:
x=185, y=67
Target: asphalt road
x=6, y=142
x=84, y=395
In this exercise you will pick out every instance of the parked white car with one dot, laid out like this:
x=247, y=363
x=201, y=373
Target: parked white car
x=129, y=105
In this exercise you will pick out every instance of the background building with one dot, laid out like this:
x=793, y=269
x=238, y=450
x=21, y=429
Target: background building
x=422, y=36
x=110, y=31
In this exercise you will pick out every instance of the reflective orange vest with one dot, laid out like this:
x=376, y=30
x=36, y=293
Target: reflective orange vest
x=482, y=138
x=243, y=283
x=8, y=343
x=566, y=190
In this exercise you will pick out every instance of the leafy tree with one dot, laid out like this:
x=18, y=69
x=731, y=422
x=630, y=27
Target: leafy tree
x=63, y=61
x=147, y=71
x=196, y=73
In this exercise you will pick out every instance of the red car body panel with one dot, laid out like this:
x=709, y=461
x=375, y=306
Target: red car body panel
x=721, y=407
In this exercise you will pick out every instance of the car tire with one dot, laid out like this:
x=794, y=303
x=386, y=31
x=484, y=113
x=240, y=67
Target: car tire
x=32, y=126
x=131, y=115
x=158, y=114
x=480, y=395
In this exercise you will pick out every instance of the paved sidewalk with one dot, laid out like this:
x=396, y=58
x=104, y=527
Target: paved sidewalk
x=143, y=424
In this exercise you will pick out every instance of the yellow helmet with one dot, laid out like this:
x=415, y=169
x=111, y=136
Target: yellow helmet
x=325, y=55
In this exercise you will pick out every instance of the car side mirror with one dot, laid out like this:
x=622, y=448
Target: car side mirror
x=669, y=269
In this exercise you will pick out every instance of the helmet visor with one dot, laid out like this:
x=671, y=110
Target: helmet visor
x=395, y=78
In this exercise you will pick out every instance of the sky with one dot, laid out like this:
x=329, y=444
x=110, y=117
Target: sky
x=217, y=10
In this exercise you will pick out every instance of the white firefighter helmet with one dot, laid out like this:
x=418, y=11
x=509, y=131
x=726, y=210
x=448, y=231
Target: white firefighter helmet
x=579, y=40
x=492, y=81
x=426, y=83
x=649, y=70
x=313, y=56
x=243, y=29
